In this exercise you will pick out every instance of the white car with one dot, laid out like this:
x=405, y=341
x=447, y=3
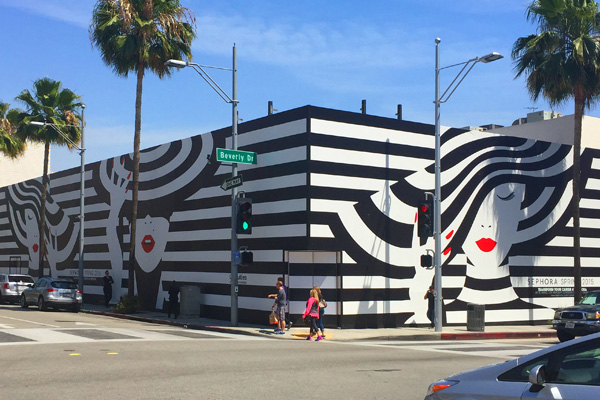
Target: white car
x=567, y=371
x=12, y=285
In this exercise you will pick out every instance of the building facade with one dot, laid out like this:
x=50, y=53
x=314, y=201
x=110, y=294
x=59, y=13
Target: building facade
x=334, y=205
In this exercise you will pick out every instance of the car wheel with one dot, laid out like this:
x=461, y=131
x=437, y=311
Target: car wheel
x=76, y=308
x=42, y=304
x=24, y=302
x=564, y=336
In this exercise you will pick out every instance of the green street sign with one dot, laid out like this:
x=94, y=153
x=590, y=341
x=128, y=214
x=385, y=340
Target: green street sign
x=236, y=156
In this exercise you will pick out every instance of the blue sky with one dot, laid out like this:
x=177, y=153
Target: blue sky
x=324, y=53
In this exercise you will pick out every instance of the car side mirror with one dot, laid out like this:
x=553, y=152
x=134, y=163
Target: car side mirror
x=537, y=378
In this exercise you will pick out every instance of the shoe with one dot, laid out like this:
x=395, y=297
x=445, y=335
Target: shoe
x=277, y=330
x=308, y=338
x=281, y=333
x=318, y=338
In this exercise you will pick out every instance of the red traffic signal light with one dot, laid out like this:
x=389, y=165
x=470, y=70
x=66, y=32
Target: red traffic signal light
x=425, y=219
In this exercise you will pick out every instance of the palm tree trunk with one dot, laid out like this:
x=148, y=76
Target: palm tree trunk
x=136, y=175
x=578, y=119
x=42, y=224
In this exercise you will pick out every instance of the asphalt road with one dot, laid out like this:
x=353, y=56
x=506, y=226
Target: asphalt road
x=62, y=355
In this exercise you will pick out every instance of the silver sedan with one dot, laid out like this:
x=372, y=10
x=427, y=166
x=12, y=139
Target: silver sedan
x=567, y=371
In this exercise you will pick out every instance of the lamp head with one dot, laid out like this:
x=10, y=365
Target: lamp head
x=36, y=123
x=490, y=57
x=175, y=63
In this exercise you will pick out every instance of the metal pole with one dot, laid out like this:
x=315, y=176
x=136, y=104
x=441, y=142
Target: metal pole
x=82, y=199
x=234, y=244
x=437, y=207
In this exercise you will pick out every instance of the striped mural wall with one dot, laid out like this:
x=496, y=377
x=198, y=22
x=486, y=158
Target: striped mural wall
x=334, y=205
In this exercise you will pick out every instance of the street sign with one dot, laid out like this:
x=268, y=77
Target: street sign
x=232, y=182
x=236, y=156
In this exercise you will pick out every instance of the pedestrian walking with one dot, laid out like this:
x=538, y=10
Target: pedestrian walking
x=430, y=297
x=173, y=300
x=108, y=282
x=322, y=306
x=280, y=302
x=312, y=311
x=288, y=323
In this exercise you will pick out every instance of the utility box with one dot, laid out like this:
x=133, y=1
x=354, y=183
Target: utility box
x=190, y=300
x=475, y=317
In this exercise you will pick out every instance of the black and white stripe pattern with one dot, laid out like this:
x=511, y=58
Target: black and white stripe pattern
x=338, y=186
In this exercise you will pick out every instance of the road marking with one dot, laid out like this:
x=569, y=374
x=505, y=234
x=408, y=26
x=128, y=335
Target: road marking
x=504, y=350
x=3, y=326
x=30, y=322
x=112, y=354
x=85, y=324
x=16, y=336
x=74, y=354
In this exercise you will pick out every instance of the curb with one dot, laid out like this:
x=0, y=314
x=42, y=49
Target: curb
x=498, y=335
x=415, y=337
x=173, y=323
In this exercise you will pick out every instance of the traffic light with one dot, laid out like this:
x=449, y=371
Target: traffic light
x=244, y=216
x=426, y=261
x=425, y=218
x=247, y=257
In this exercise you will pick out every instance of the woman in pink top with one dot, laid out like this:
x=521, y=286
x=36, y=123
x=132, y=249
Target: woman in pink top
x=312, y=310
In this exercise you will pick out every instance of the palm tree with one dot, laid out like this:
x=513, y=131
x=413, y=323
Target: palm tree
x=10, y=144
x=562, y=62
x=140, y=35
x=52, y=104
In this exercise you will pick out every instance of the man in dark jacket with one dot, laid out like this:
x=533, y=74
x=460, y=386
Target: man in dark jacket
x=173, y=300
x=108, y=282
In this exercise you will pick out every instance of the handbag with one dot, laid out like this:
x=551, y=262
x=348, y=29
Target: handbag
x=322, y=303
x=273, y=320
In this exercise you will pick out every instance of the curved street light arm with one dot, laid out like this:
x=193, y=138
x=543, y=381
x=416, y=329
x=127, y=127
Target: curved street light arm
x=61, y=133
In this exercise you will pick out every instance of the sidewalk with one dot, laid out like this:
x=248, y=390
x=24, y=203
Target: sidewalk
x=300, y=332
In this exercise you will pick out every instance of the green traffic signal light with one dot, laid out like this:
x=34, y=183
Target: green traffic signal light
x=244, y=216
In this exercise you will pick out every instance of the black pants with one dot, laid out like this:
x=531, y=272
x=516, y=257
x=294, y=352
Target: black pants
x=431, y=315
x=173, y=308
x=107, y=297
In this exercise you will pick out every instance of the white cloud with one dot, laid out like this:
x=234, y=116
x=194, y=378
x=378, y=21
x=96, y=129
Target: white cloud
x=345, y=45
x=75, y=12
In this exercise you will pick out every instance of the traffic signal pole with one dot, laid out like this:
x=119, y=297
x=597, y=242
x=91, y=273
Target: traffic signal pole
x=234, y=192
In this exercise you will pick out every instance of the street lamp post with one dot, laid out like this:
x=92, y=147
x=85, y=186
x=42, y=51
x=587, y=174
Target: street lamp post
x=437, y=207
x=234, y=131
x=81, y=148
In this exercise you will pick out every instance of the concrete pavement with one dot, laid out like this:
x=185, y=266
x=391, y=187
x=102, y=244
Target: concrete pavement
x=301, y=332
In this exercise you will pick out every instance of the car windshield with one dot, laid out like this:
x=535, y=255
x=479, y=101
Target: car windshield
x=590, y=299
x=64, y=285
x=20, y=278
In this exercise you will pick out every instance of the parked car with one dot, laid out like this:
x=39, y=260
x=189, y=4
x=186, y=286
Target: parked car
x=52, y=292
x=11, y=286
x=578, y=320
x=568, y=371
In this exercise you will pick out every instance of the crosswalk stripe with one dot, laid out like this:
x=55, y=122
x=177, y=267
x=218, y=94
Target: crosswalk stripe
x=472, y=348
x=12, y=336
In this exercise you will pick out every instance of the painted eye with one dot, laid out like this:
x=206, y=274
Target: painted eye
x=507, y=198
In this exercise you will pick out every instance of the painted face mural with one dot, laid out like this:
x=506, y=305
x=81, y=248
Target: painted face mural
x=494, y=228
x=152, y=233
x=31, y=236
